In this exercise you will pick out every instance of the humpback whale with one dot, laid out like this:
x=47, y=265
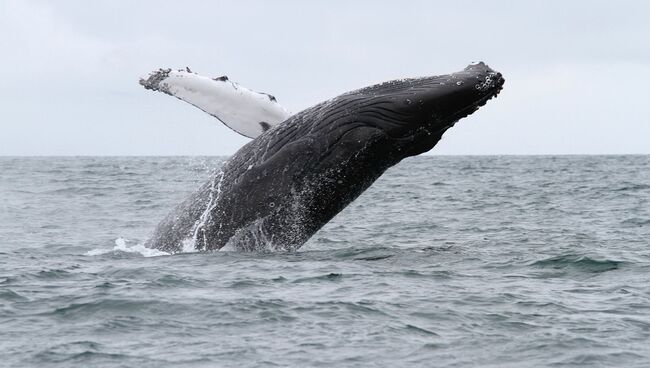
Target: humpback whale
x=300, y=170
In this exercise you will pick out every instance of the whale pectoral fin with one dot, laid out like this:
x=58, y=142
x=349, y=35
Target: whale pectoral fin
x=247, y=112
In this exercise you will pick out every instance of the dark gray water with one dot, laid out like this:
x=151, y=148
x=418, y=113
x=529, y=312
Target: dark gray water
x=445, y=261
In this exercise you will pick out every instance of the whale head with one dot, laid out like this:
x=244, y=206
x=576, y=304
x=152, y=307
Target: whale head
x=414, y=113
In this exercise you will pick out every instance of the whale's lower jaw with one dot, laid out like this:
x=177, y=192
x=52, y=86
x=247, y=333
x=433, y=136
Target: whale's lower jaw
x=282, y=187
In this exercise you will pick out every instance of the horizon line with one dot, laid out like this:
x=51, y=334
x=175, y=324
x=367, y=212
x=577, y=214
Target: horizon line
x=423, y=155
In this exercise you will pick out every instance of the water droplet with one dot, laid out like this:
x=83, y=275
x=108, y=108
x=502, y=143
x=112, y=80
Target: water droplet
x=459, y=83
x=408, y=101
x=272, y=204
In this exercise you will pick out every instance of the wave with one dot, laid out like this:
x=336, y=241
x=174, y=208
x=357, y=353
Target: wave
x=578, y=262
x=636, y=221
x=633, y=187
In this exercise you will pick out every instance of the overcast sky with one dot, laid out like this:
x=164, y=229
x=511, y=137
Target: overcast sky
x=577, y=72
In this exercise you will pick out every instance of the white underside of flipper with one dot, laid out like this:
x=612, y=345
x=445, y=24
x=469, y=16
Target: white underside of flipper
x=247, y=112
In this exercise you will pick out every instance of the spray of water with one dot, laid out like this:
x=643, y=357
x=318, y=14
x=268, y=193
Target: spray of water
x=190, y=244
x=122, y=245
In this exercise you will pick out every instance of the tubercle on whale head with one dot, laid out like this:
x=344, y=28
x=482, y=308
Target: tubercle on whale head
x=415, y=112
x=470, y=89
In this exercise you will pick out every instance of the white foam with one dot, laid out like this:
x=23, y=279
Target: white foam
x=189, y=245
x=121, y=245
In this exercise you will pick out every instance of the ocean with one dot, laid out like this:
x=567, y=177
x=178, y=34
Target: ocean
x=446, y=261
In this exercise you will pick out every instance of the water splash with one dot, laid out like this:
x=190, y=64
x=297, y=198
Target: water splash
x=251, y=238
x=190, y=244
x=121, y=245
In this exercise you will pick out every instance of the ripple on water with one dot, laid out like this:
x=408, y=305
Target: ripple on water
x=10, y=295
x=579, y=262
x=112, y=306
x=316, y=279
x=85, y=352
x=636, y=221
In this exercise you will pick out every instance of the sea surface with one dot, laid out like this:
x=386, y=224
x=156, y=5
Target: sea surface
x=490, y=261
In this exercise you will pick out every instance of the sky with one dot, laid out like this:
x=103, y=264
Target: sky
x=577, y=72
